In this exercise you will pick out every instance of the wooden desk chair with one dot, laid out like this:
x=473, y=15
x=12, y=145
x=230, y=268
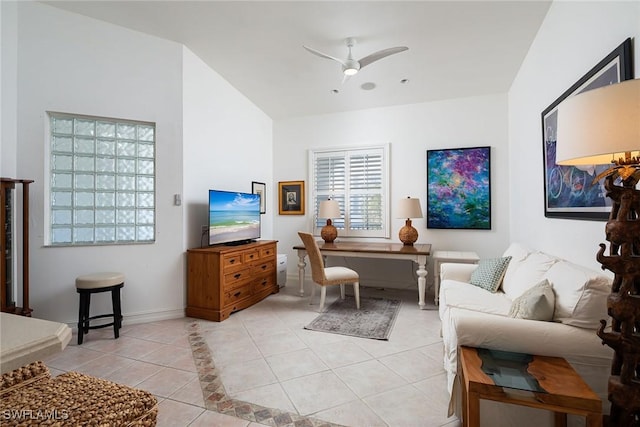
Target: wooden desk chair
x=326, y=276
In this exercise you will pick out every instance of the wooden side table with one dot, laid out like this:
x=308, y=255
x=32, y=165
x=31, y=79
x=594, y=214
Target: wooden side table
x=440, y=257
x=566, y=391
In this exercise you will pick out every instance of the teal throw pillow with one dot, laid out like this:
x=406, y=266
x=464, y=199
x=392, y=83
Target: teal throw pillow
x=490, y=273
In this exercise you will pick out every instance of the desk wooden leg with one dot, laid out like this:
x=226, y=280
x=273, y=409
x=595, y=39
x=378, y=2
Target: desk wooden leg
x=560, y=419
x=301, y=266
x=422, y=281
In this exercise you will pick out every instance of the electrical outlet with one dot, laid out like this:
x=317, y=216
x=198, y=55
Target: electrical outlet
x=205, y=229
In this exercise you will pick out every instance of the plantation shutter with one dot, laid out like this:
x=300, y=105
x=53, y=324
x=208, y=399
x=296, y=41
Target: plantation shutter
x=357, y=179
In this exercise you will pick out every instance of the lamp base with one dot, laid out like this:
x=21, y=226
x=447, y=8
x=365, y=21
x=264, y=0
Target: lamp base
x=329, y=233
x=408, y=235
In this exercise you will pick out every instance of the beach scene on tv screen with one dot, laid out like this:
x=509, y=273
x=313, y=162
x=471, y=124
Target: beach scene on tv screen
x=233, y=217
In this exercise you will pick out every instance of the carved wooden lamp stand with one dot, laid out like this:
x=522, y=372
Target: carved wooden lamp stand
x=598, y=124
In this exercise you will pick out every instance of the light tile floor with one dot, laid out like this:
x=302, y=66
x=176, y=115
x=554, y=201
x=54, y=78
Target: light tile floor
x=290, y=376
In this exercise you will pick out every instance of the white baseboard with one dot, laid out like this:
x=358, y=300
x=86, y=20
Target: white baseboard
x=148, y=317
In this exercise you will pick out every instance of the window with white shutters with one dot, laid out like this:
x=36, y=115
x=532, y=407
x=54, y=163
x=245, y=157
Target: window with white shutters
x=357, y=178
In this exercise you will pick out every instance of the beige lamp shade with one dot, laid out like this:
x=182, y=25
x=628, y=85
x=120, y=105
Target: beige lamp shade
x=329, y=209
x=600, y=125
x=409, y=208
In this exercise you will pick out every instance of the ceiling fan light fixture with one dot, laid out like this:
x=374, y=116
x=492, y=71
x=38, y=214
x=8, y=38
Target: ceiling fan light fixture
x=350, y=71
x=350, y=67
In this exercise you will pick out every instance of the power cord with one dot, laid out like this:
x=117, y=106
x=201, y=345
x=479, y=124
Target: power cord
x=204, y=232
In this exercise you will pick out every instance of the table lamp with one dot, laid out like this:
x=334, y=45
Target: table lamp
x=603, y=126
x=409, y=208
x=329, y=209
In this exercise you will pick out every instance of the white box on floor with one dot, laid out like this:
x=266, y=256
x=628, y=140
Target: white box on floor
x=282, y=269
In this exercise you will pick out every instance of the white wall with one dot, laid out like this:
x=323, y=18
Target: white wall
x=227, y=144
x=70, y=63
x=8, y=86
x=575, y=36
x=411, y=130
x=208, y=136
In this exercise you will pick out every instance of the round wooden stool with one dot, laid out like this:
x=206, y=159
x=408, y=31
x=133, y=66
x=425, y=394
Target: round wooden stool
x=92, y=284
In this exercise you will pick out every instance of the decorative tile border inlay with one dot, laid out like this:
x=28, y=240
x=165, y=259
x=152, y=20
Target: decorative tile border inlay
x=216, y=399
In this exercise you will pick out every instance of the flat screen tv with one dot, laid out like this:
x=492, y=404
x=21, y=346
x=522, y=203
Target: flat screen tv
x=234, y=217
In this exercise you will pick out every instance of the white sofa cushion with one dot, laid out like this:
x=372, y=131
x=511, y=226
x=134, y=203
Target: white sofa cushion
x=518, y=253
x=468, y=297
x=527, y=273
x=537, y=303
x=581, y=294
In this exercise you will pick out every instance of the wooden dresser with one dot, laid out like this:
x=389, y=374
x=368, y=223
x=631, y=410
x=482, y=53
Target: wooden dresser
x=224, y=279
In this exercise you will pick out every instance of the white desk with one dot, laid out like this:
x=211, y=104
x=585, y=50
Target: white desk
x=24, y=340
x=441, y=257
x=417, y=253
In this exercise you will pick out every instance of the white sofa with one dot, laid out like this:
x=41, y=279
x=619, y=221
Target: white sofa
x=476, y=317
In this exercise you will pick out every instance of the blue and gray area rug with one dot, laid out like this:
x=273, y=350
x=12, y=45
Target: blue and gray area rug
x=374, y=319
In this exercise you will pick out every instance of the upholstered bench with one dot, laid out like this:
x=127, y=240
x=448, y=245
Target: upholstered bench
x=30, y=396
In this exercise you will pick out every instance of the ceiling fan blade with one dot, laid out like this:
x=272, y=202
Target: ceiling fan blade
x=323, y=55
x=381, y=54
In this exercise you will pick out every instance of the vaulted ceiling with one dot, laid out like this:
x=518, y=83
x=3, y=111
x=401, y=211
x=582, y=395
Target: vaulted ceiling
x=456, y=48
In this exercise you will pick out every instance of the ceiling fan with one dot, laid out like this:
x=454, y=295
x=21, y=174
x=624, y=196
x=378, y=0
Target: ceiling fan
x=350, y=66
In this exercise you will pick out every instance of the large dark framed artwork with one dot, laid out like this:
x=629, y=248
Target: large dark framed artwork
x=568, y=190
x=459, y=188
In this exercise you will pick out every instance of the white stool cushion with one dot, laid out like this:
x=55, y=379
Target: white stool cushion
x=99, y=280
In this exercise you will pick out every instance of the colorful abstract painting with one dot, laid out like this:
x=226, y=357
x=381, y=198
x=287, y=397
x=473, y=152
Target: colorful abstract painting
x=459, y=188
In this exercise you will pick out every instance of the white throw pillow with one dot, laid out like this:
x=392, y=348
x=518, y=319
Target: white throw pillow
x=537, y=303
x=528, y=273
x=581, y=294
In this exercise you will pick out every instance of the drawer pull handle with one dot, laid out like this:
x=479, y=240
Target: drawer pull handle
x=237, y=276
x=251, y=256
x=231, y=261
x=264, y=283
x=264, y=267
x=237, y=294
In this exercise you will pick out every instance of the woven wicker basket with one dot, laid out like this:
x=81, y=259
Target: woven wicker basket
x=30, y=396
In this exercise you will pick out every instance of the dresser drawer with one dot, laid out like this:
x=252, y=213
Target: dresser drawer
x=233, y=262
x=266, y=282
x=237, y=294
x=250, y=256
x=237, y=278
x=268, y=252
x=264, y=267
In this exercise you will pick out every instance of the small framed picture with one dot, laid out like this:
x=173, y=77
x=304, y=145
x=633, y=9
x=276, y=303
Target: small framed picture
x=261, y=189
x=291, y=197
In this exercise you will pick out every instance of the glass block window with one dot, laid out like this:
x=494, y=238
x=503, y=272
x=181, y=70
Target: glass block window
x=358, y=179
x=102, y=181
